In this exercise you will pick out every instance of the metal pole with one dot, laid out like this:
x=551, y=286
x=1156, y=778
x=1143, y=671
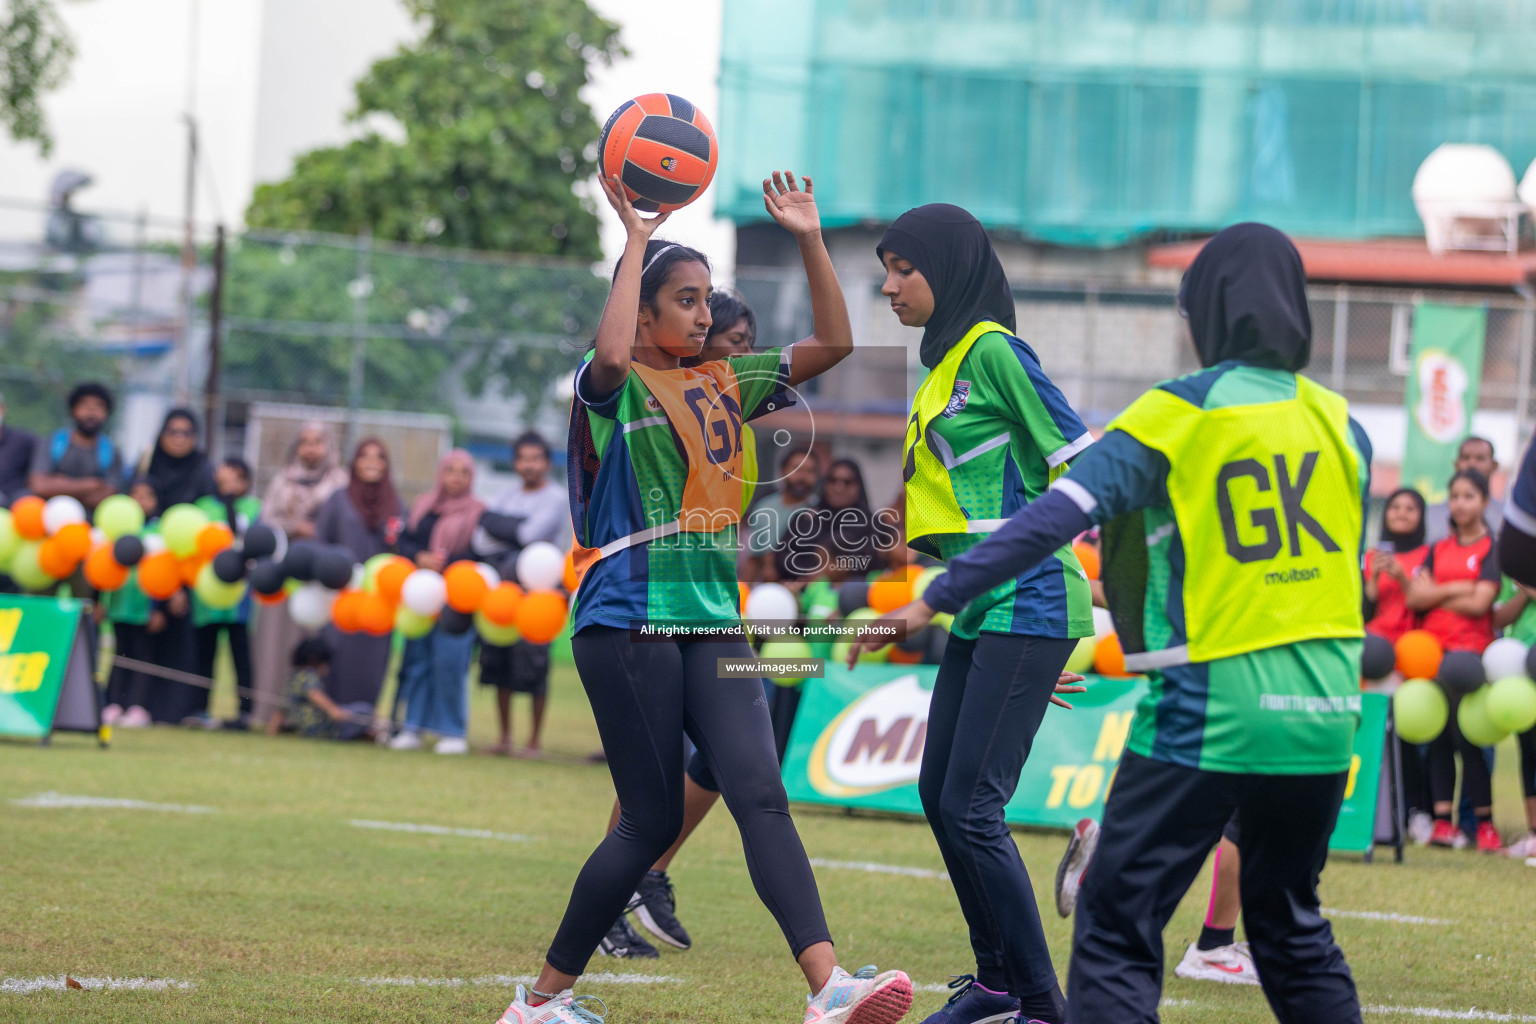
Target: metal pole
x=360, y=288
x=1340, y=335
x=182, y=381
x=213, y=404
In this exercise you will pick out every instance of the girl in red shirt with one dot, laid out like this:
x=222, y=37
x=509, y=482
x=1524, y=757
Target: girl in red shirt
x=1455, y=590
x=1398, y=556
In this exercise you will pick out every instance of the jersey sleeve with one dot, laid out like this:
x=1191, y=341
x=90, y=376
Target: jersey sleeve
x=1033, y=398
x=1520, y=509
x=761, y=379
x=1117, y=475
x=1361, y=441
x=604, y=405
x=1489, y=571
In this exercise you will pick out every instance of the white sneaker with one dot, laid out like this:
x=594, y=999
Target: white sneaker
x=452, y=745
x=111, y=713
x=1231, y=965
x=408, y=740
x=1420, y=827
x=866, y=997
x=135, y=718
x=1069, y=873
x=565, y=1008
x=1523, y=847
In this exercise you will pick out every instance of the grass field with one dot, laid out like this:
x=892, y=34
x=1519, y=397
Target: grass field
x=272, y=907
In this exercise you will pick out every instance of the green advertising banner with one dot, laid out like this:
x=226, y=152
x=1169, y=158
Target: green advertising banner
x=858, y=742
x=46, y=681
x=1446, y=354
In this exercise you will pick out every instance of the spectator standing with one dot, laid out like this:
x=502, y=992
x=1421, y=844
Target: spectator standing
x=1399, y=554
x=235, y=505
x=130, y=611
x=292, y=504
x=365, y=517
x=834, y=539
x=1455, y=591
x=79, y=460
x=435, y=668
x=1474, y=453
x=179, y=472
x=18, y=448
x=768, y=519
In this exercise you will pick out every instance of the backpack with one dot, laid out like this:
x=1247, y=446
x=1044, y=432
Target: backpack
x=105, y=453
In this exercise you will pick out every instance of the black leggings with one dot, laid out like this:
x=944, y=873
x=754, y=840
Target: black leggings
x=239, y=653
x=1527, y=741
x=988, y=700
x=1476, y=783
x=645, y=696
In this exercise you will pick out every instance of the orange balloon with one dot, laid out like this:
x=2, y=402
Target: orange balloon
x=502, y=603
x=541, y=616
x=1108, y=658
x=392, y=577
x=270, y=599
x=1088, y=558
x=742, y=590
x=27, y=517
x=190, y=567
x=1418, y=654
x=74, y=540
x=375, y=615
x=103, y=571
x=572, y=579
x=466, y=587
x=346, y=613
x=160, y=575
x=54, y=560
x=897, y=656
x=886, y=595
x=213, y=538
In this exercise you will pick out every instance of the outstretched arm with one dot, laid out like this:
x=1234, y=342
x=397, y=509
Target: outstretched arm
x=616, y=330
x=832, y=333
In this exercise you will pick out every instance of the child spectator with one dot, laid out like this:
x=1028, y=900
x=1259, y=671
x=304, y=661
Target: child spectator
x=233, y=504
x=131, y=612
x=307, y=710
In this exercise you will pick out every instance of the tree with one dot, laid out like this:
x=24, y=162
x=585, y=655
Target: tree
x=494, y=136
x=35, y=51
x=39, y=360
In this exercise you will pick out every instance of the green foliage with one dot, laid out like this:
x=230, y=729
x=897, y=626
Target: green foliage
x=495, y=135
x=35, y=51
x=37, y=366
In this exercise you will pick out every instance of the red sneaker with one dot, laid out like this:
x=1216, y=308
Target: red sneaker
x=1446, y=834
x=1488, y=840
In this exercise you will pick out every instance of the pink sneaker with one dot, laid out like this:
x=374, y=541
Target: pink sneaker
x=1488, y=838
x=111, y=713
x=135, y=718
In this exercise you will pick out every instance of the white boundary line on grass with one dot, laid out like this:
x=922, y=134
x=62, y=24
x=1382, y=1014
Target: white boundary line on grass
x=57, y=983
x=440, y=830
x=1378, y=915
x=508, y=980
x=65, y=800
x=1437, y=1014
x=878, y=869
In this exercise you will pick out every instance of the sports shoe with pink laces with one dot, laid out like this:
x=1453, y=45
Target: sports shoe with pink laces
x=565, y=1008
x=865, y=997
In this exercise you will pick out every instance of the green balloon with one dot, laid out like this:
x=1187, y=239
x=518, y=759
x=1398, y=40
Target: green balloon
x=371, y=571
x=25, y=569
x=215, y=593
x=924, y=578
x=787, y=649
x=496, y=636
x=119, y=516
x=180, y=526
x=411, y=625
x=1472, y=718
x=818, y=600
x=1420, y=710
x=10, y=540
x=292, y=586
x=1082, y=656
x=943, y=620
x=1512, y=704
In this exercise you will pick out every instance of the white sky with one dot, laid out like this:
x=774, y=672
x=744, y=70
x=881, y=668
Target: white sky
x=120, y=115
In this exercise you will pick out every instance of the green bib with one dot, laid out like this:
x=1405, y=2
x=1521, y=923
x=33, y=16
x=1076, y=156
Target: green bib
x=1266, y=502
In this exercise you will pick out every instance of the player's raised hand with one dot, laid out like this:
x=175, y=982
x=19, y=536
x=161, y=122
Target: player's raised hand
x=793, y=207
x=634, y=223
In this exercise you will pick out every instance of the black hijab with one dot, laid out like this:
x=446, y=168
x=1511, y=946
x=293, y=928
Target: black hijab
x=951, y=250
x=1402, y=543
x=179, y=480
x=1246, y=298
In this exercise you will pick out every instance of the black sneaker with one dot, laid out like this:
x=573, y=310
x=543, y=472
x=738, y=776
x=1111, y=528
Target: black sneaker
x=624, y=942
x=655, y=905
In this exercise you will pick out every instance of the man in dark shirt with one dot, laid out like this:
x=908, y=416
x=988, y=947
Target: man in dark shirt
x=16, y=454
x=80, y=462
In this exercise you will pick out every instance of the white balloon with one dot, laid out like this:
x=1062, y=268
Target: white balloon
x=1504, y=657
x=153, y=543
x=359, y=577
x=1103, y=624
x=491, y=576
x=771, y=602
x=61, y=512
x=424, y=592
x=540, y=566
x=98, y=537
x=310, y=605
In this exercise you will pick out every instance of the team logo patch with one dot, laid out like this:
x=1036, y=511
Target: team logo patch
x=669, y=163
x=652, y=403
x=957, y=399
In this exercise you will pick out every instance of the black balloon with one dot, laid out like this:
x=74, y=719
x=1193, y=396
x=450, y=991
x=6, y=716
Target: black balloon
x=267, y=577
x=333, y=567
x=229, y=565
x=1378, y=658
x=851, y=596
x=299, y=562
x=260, y=541
x=454, y=622
x=1530, y=662
x=1460, y=672
x=128, y=551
